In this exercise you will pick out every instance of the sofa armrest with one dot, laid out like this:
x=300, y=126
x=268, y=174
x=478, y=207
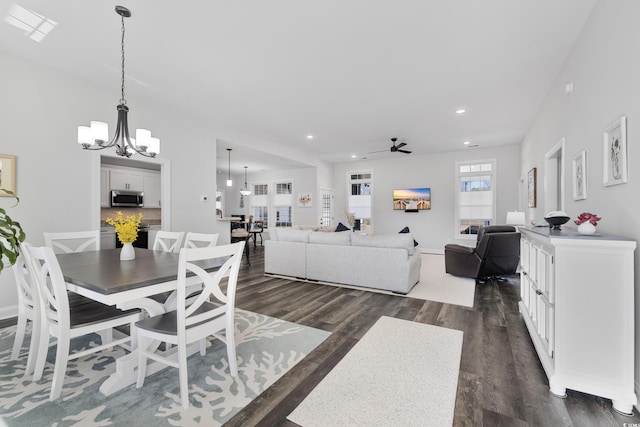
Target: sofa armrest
x=461, y=249
x=461, y=260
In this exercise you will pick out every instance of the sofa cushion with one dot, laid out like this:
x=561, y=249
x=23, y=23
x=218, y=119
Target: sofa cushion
x=342, y=227
x=384, y=241
x=323, y=238
x=406, y=230
x=291, y=235
x=306, y=227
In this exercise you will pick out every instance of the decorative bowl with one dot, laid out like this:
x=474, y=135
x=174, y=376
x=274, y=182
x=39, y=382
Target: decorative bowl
x=556, y=221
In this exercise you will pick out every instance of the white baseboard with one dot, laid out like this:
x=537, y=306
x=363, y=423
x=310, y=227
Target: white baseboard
x=8, y=312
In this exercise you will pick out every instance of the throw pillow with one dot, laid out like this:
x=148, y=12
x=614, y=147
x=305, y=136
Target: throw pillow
x=342, y=227
x=406, y=230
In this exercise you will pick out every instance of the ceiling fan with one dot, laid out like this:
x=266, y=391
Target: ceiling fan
x=394, y=148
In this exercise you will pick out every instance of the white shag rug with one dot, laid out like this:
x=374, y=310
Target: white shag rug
x=400, y=373
x=436, y=285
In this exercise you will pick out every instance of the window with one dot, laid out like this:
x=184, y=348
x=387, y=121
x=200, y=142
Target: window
x=273, y=202
x=359, y=199
x=283, y=216
x=260, y=203
x=260, y=189
x=283, y=188
x=475, y=196
x=282, y=202
x=260, y=213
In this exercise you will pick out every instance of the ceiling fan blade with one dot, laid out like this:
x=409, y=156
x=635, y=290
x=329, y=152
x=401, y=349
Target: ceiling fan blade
x=402, y=144
x=379, y=151
x=404, y=151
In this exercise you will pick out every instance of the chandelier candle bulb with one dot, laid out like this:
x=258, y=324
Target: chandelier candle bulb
x=99, y=131
x=84, y=136
x=154, y=146
x=143, y=136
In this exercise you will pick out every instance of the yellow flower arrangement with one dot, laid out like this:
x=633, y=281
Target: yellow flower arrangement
x=126, y=228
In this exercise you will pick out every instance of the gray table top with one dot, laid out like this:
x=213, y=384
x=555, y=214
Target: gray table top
x=104, y=273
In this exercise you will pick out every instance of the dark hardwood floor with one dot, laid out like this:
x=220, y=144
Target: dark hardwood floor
x=501, y=381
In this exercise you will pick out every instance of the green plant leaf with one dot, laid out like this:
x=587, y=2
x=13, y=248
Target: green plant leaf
x=11, y=235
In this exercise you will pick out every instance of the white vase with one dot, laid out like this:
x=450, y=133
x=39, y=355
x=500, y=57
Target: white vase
x=586, y=228
x=127, y=252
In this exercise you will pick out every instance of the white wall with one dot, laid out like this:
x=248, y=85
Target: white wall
x=434, y=228
x=604, y=67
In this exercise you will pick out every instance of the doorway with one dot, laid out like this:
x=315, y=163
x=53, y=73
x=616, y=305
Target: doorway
x=554, y=178
x=326, y=208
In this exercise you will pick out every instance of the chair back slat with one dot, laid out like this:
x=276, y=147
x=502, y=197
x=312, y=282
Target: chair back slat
x=49, y=284
x=200, y=240
x=27, y=297
x=73, y=241
x=211, y=282
x=168, y=241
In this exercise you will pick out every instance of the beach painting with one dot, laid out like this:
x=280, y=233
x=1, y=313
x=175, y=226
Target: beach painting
x=412, y=199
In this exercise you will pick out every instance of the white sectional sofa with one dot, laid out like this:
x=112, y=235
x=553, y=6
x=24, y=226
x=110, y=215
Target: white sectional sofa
x=389, y=262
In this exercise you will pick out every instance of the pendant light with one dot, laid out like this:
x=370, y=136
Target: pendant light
x=95, y=137
x=229, y=181
x=245, y=191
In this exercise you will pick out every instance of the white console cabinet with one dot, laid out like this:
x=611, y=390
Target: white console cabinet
x=577, y=300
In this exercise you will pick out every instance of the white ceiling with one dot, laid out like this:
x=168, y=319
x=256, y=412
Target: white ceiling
x=352, y=73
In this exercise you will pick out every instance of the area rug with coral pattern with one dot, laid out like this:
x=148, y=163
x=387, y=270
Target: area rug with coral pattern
x=266, y=349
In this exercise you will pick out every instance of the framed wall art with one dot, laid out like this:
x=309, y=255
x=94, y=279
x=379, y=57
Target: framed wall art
x=412, y=199
x=7, y=174
x=615, y=152
x=580, y=176
x=305, y=200
x=531, y=188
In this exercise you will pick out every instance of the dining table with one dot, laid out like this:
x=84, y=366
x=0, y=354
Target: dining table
x=102, y=276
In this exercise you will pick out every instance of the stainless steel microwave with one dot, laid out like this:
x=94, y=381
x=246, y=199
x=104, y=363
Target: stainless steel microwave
x=122, y=198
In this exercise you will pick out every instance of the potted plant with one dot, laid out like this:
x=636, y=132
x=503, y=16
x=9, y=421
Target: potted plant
x=127, y=231
x=11, y=235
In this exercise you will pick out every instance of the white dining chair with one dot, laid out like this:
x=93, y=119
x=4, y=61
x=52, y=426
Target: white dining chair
x=63, y=323
x=200, y=240
x=194, y=319
x=28, y=309
x=73, y=241
x=168, y=241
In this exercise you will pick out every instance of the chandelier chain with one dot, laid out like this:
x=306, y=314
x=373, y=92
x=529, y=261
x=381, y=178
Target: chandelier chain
x=122, y=100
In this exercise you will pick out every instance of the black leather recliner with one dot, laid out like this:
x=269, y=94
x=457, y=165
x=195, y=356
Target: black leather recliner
x=497, y=253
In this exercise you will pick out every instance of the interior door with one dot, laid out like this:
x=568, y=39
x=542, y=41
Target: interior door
x=326, y=207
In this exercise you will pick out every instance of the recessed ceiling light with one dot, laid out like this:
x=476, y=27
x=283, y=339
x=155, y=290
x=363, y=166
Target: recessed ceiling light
x=353, y=156
x=461, y=111
x=309, y=136
x=467, y=142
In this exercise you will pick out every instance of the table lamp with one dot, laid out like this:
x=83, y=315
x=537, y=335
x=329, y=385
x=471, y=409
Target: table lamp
x=515, y=218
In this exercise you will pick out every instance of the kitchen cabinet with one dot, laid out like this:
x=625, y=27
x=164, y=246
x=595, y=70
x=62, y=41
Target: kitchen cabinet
x=123, y=179
x=577, y=301
x=152, y=189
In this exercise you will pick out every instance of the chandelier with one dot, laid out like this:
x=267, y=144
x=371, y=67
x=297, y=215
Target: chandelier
x=245, y=191
x=95, y=137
